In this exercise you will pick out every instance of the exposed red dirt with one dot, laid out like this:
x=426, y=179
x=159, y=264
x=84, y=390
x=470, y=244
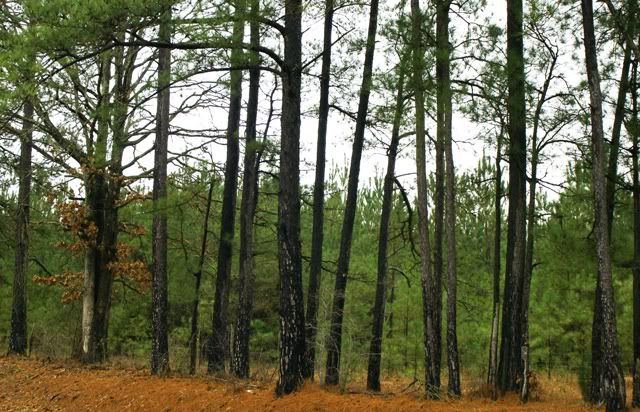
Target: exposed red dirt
x=31, y=385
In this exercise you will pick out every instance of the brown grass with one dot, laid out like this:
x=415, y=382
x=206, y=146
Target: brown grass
x=31, y=385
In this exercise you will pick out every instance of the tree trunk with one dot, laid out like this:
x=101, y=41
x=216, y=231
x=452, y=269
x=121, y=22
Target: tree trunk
x=292, y=326
x=492, y=376
x=429, y=291
x=240, y=360
x=160, y=333
x=528, y=268
x=614, y=148
x=18, y=334
x=335, y=334
x=195, y=313
x=104, y=280
x=315, y=271
x=439, y=206
x=438, y=220
x=531, y=224
x=634, y=132
x=609, y=363
x=597, y=395
x=112, y=173
x=95, y=188
x=375, y=350
x=623, y=89
x=220, y=343
x=444, y=116
x=453, y=389
x=510, y=368
x=392, y=299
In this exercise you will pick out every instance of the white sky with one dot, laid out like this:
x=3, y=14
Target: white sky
x=469, y=144
x=468, y=147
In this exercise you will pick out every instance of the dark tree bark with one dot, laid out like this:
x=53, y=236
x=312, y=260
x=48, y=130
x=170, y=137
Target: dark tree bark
x=612, y=178
x=429, y=290
x=531, y=225
x=219, y=347
x=614, y=148
x=375, y=350
x=608, y=366
x=315, y=271
x=102, y=195
x=123, y=62
x=104, y=283
x=439, y=206
x=438, y=238
x=453, y=361
x=510, y=366
x=444, y=118
x=335, y=334
x=195, y=312
x=93, y=189
x=18, y=334
x=160, y=304
x=97, y=274
x=103, y=181
x=240, y=360
x=596, y=378
x=492, y=376
x=597, y=394
x=528, y=268
x=98, y=253
x=635, y=134
x=292, y=326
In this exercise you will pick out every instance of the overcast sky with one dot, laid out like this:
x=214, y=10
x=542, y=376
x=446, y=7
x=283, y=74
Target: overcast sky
x=467, y=149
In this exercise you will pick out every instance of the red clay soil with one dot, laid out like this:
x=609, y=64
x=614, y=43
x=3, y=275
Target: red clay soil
x=31, y=385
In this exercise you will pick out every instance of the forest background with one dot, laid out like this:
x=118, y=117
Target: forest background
x=83, y=123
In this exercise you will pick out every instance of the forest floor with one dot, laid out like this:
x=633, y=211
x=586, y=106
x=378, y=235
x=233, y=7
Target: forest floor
x=35, y=385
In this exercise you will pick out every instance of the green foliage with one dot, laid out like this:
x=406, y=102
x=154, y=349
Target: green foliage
x=562, y=287
x=562, y=290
